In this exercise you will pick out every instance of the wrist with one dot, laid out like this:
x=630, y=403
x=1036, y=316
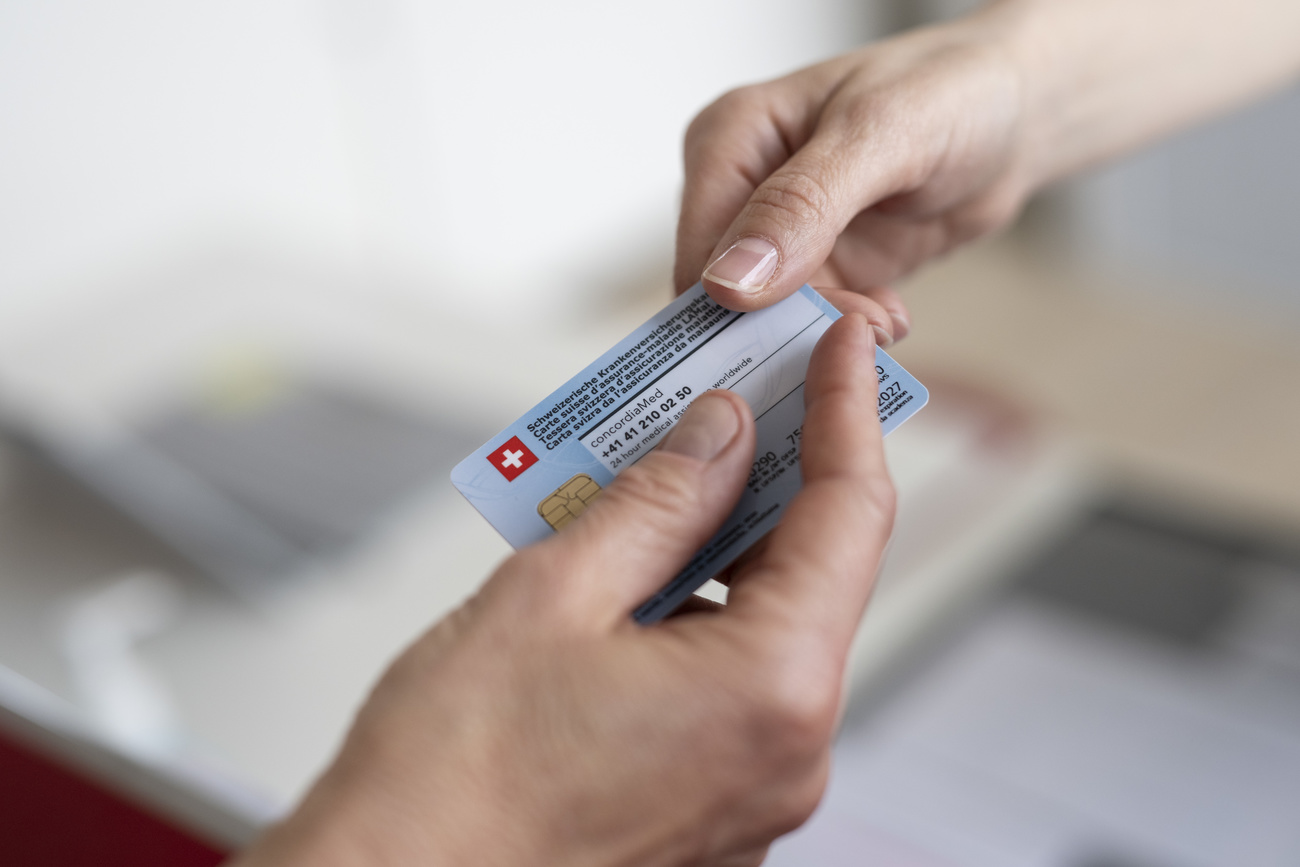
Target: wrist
x=370, y=809
x=1015, y=35
x=1005, y=84
x=345, y=821
x=1038, y=41
x=1101, y=77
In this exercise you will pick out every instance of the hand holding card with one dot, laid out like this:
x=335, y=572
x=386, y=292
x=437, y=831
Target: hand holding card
x=542, y=472
x=539, y=725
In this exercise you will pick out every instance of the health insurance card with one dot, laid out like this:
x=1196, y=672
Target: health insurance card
x=545, y=469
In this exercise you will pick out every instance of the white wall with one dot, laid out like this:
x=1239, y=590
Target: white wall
x=506, y=150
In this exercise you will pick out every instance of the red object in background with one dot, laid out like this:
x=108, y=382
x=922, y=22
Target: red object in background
x=51, y=817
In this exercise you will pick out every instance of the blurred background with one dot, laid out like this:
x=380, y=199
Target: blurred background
x=269, y=270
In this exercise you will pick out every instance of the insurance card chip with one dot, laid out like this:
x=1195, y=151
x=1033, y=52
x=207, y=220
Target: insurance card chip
x=568, y=501
x=543, y=471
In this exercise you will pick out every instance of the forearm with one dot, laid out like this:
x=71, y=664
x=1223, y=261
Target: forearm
x=1104, y=76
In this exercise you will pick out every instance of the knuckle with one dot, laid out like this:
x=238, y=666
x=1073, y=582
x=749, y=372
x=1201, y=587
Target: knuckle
x=794, y=197
x=985, y=215
x=802, y=801
x=697, y=129
x=798, y=708
x=874, y=502
x=881, y=498
x=738, y=102
x=741, y=100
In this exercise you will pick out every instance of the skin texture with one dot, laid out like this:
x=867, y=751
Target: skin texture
x=540, y=725
x=856, y=171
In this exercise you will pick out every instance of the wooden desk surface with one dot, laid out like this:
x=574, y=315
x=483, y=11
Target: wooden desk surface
x=1173, y=399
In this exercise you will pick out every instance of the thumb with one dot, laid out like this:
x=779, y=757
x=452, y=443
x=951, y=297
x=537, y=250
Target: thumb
x=648, y=523
x=788, y=227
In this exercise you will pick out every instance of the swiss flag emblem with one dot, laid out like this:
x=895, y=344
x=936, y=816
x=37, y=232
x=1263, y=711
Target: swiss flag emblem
x=512, y=459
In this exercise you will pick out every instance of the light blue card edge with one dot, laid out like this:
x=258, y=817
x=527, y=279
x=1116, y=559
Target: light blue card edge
x=818, y=300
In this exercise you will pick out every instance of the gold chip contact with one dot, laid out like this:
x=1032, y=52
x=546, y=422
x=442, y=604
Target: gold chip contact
x=568, y=501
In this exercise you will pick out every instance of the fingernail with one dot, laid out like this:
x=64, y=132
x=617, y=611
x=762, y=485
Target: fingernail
x=705, y=430
x=746, y=266
x=883, y=340
x=902, y=325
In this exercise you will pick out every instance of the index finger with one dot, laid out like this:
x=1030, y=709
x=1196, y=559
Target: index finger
x=730, y=148
x=820, y=564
